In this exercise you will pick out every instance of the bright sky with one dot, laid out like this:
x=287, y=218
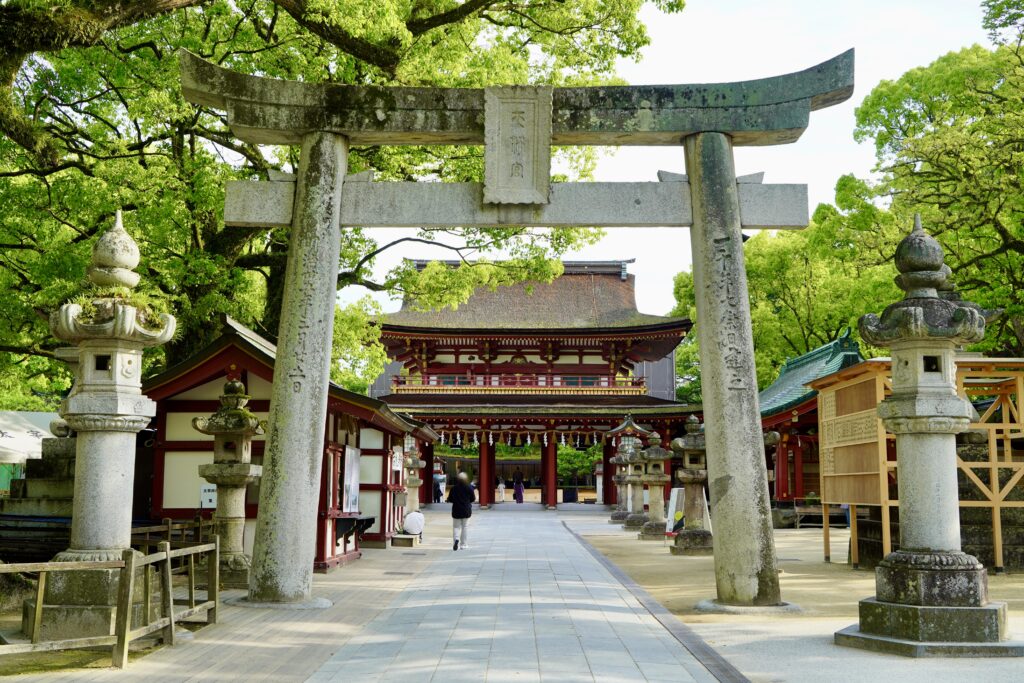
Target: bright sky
x=731, y=40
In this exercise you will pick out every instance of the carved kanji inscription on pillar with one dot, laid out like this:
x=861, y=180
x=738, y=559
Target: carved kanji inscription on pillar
x=517, y=144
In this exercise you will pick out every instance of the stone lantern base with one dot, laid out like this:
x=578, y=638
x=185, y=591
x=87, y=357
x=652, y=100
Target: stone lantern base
x=635, y=520
x=81, y=604
x=692, y=542
x=652, y=530
x=931, y=605
x=619, y=516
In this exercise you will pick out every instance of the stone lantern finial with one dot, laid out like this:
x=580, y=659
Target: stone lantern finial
x=114, y=258
x=922, y=314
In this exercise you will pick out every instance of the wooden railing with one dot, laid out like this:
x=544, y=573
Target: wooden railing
x=543, y=383
x=124, y=634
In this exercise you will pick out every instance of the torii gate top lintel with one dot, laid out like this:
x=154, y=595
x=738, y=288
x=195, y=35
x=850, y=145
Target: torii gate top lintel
x=767, y=111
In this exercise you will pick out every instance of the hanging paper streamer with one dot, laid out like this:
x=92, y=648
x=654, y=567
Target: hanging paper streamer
x=476, y=442
x=458, y=437
x=545, y=439
x=563, y=438
x=442, y=438
x=527, y=439
x=490, y=438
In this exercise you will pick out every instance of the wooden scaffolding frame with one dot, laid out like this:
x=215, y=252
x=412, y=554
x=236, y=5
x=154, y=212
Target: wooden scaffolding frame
x=858, y=461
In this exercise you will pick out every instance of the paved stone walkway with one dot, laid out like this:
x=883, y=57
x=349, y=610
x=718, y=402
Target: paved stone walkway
x=525, y=602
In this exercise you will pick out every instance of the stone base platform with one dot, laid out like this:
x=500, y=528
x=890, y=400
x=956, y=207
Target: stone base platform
x=618, y=517
x=635, y=522
x=693, y=542
x=852, y=636
x=312, y=603
x=931, y=623
x=405, y=541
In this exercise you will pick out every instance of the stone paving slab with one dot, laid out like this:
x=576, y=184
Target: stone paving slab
x=525, y=602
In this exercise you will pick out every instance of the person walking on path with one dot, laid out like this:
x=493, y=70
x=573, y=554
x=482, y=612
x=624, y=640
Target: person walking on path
x=438, y=493
x=461, y=496
x=517, y=485
x=501, y=490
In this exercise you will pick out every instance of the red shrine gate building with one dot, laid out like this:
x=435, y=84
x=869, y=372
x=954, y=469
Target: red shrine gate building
x=552, y=364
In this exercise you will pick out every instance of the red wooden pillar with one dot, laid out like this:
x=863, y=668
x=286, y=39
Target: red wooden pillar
x=550, y=458
x=782, y=491
x=486, y=473
x=608, y=481
x=798, y=470
x=427, y=475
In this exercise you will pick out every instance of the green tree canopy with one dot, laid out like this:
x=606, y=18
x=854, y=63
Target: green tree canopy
x=92, y=120
x=948, y=145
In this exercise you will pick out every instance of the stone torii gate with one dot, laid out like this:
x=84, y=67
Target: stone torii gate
x=517, y=126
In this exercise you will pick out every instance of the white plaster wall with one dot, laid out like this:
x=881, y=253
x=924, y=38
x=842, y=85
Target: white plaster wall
x=179, y=428
x=369, y=504
x=371, y=438
x=204, y=392
x=370, y=469
x=258, y=388
x=181, y=477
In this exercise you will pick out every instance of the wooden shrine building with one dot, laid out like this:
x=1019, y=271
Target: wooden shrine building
x=859, y=466
x=790, y=407
x=536, y=363
x=361, y=487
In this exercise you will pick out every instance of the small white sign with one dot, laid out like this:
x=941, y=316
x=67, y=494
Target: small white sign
x=397, y=458
x=676, y=500
x=207, y=496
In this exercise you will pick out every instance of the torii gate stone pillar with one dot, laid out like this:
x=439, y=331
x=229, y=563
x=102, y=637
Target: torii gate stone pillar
x=285, y=543
x=517, y=126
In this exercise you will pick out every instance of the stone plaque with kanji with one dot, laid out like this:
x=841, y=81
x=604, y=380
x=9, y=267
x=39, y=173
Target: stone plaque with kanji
x=517, y=144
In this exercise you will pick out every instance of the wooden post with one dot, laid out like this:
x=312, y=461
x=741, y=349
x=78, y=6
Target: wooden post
x=147, y=587
x=192, y=580
x=486, y=471
x=213, y=580
x=886, y=525
x=824, y=529
x=37, y=616
x=997, y=529
x=550, y=473
x=854, y=549
x=123, y=618
x=167, y=596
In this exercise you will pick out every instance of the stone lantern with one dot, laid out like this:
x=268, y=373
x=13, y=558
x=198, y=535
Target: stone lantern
x=629, y=435
x=413, y=467
x=106, y=409
x=695, y=536
x=620, y=512
x=655, y=478
x=931, y=597
x=232, y=427
x=635, y=471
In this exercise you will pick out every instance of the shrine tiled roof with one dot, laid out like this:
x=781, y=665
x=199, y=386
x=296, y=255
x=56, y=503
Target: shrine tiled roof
x=790, y=390
x=588, y=295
